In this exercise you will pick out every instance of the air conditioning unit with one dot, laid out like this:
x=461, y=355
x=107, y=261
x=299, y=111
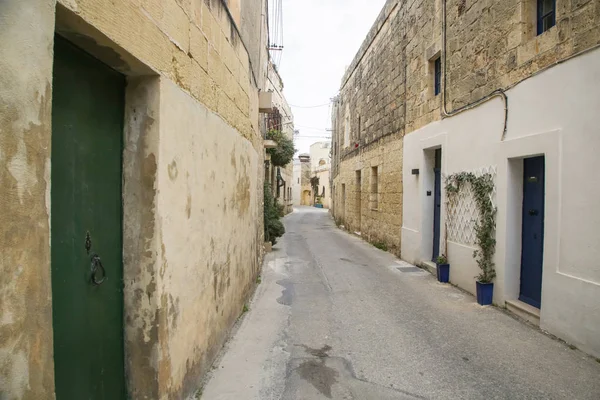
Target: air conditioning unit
x=265, y=102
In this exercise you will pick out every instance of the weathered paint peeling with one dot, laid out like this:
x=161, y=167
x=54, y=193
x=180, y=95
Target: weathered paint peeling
x=25, y=175
x=26, y=367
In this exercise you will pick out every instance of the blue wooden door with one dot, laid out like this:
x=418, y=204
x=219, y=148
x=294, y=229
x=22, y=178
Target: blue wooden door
x=532, y=253
x=437, y=204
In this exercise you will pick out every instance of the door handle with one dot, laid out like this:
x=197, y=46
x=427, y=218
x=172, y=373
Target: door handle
x=533, y=212
x=97, y=265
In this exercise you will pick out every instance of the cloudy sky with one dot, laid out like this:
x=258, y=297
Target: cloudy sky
x=320, y=39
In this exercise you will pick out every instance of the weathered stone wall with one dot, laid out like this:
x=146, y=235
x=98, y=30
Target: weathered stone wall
x=26, y=36
x=193, y=175
x=388, y=90
x=376, y=225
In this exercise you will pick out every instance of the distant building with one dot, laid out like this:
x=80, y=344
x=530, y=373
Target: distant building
x=302, y=177
x=320, y=167
x=296, y=183
x=280, y=118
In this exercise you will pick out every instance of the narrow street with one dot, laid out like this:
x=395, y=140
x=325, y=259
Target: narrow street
x=337, y=318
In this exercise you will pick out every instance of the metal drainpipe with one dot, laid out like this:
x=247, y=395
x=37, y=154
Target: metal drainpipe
x=496, y=93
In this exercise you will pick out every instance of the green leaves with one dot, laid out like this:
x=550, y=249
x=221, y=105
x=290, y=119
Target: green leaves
x=273, y=226
x=482, y=188
x=283, y=154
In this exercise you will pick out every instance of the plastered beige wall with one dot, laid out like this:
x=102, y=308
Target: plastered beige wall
x=26, y=36
x=208, y=189
x=193, y=158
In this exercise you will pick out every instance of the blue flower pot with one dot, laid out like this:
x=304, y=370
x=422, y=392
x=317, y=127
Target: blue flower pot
x=485, y=293
x=319, y=205
x=443, y=273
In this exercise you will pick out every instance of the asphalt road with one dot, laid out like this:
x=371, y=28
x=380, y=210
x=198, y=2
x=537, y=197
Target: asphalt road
x=335, y=318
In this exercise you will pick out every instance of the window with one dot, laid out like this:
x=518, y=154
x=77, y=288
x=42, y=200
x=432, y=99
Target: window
x=358, y=193
x=346, y=140
x=298, y=181
x=374, y=188
x=437, y=76
x=546, y=15
x=359, y=127
x=323, y=191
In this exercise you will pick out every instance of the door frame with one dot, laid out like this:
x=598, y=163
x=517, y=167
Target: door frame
x=358, y=198
x=139, y=179
x=343, y=203
x=427, y=195
x=437, y=211
x=67, y=58
x=509, y=157
x=525, y=299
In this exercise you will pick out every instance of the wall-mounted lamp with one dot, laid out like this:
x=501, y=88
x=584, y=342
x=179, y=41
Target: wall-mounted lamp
x=415, y=171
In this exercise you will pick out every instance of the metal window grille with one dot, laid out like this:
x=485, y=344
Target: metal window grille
x=273, y=120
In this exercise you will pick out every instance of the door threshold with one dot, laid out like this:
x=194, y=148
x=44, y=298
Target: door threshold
x=524, y=310
x=430, y=266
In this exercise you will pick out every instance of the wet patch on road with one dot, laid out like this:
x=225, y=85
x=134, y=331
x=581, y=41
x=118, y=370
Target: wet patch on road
x=319, y=375
x=353, y=262
x=287, y=295
x=321, y=353
x=316, y=372
x=325, y=371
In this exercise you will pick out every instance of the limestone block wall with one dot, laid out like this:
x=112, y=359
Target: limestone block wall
x=356, y=210
x=192, y=175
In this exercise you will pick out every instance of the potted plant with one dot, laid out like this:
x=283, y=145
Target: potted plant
x=485, y=293
x=443, y=269
x=319, y=203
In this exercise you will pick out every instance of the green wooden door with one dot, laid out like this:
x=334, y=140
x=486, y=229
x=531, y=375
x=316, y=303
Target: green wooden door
x=87, y=129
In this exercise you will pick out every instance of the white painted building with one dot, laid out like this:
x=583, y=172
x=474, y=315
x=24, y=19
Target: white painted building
x=553, y=115
x=320, y=167
x=297, y=183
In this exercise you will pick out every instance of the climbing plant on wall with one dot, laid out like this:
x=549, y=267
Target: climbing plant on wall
x=482, y=187
x=314, y=184
x=283, y=154
x=272, y=213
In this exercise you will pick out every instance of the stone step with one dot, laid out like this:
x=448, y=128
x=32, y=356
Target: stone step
x=524, y=310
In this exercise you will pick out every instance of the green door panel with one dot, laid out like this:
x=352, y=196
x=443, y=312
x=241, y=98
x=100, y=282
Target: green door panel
x=87, y=130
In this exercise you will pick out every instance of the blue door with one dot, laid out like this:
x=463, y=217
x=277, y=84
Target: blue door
x=532, y=253
x=437, y=203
